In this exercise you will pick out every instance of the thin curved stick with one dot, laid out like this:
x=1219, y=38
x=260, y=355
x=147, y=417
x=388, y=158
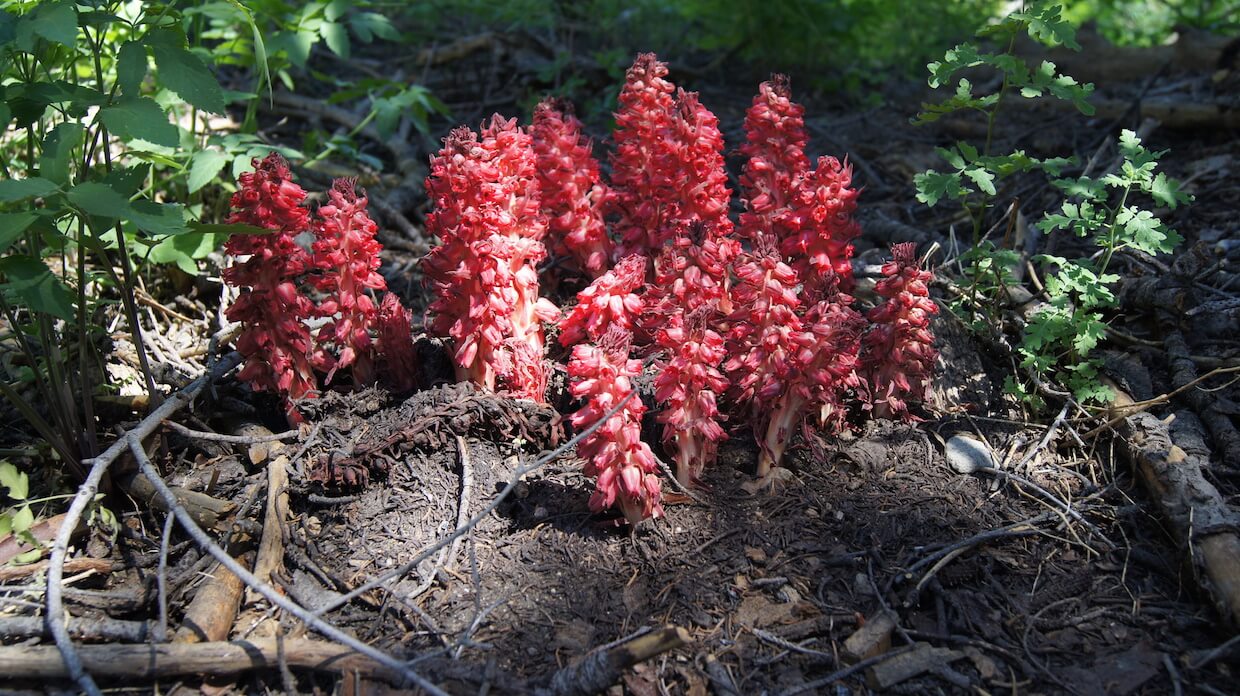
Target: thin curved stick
x=86, y=493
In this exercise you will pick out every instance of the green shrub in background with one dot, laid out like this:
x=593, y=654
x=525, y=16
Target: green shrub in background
x=1150, y=22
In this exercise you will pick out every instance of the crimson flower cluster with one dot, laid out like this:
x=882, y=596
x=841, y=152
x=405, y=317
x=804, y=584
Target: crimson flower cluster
x=899, y=349
x=572, y=191
x=276, y=271
x=625, y=471
x=274, y=339
x=486, y=214
x=769, y=334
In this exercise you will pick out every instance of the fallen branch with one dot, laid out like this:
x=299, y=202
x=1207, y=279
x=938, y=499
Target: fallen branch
x=600, y=669
x=99, y=629
x=147, y=662
x=98, y=466
x=1196, y=513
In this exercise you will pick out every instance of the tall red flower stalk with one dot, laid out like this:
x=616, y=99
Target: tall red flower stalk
x=272, y=310
x=346, y=255
x=625, y=469
x=572, y=191
x=486, y=215
x=642, y=163
x=774, y=149
x=898, y=351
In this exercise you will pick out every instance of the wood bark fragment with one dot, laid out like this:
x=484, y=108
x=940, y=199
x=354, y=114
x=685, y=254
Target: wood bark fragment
x=102, y=629
x=209, y=617
x=148, y=661
x=1205, y=528
x=73, y=566
x=921, y=659
x=208, y=512
x=872, y=639
x=599, y=670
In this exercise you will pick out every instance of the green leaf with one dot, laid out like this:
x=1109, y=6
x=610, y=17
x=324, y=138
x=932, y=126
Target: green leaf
x=1046, y=25
x=364, y=24
x=14, y=481
x=58, y=148
x=184, y=250
x=23, y=519
x=1167, y=191
x=28, y=557
x=6, y=523
x=984, y=180
x=204, y=167
x=952, y=157
x=158, y=219
x=140, y=118
x=56, y=22
x=12, y=226
x=35, y=285
x=336, y=37
x=100, y=200
x=131, y=67
x=184, y=73
x=12, y=190
x=933, y=186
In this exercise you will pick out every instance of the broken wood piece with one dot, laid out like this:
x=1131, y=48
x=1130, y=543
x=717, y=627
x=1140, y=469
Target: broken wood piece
x=719, y=677
x=148, y=661
x=101, y=629
x=874, y=638
x=271, y=547
x=600, y=669
x=900, y=668
x=208, y=512
x=44, y=532
x=209, y=617
x=73, y=566
x=1196, y=513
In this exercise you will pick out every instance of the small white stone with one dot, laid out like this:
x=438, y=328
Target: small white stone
x=966, y=455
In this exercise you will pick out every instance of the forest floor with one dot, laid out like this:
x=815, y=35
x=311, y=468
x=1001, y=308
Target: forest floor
x=875, y=548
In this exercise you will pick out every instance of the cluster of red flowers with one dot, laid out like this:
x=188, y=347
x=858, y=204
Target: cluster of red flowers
x=487, y=216
x=277, y=272
x=769, y=332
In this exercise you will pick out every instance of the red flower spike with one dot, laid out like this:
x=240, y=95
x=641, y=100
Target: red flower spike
x=898, y=352
x=611, y=299
x=626, y=471
x=821, y=225
x=691, y=272
x=767, y=334
x=395, y=345
x=688, y=385
x=274, y=338
x=703, y=196
x=642, y=164
x=572, y=192
x=347, y=256
x=775, y=158
x=486, y=215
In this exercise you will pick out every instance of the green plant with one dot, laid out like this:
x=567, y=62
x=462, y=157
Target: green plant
x=1060, y=337
x=18, y=518
x=975, y=172
x=1150, y=22
x=94, y=142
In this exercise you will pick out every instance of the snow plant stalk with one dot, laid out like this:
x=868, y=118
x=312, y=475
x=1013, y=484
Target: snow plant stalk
x=490, y=228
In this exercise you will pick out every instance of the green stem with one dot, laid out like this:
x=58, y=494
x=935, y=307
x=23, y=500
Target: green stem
x=1111, y=246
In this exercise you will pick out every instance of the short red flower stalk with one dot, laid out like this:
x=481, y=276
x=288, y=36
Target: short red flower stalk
x=611, y=299
x=767, y=336
x=486, y=215
x=775, y=158
x=272, y=311
x=397, y=364
x=572, y=192
x=347, y=257
x=627, y=475
x=688, y=386
x=691, y=272
x=819, y=243
x=829, y=368
x=898, y=352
